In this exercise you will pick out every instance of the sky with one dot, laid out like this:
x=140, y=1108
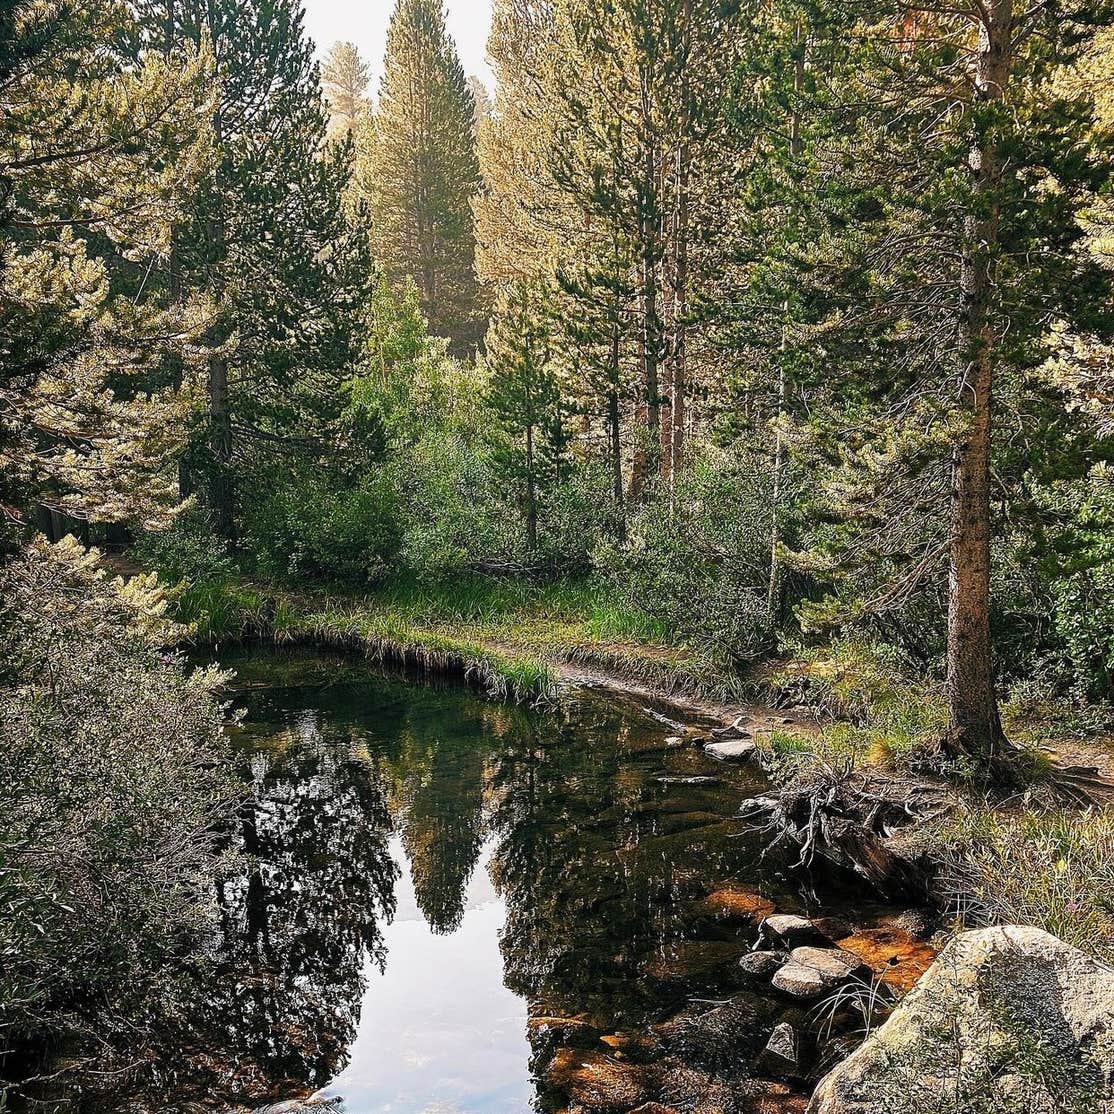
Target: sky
x=364, y=22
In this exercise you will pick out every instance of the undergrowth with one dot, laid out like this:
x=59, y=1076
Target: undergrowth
x=1052, y=869
x=507, y=636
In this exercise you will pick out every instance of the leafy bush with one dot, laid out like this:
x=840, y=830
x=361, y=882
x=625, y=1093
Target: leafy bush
x=698, y=560
x=575, y=514
x=109, y=792
x=309, y=527
x=453, y=514
x=187, y=551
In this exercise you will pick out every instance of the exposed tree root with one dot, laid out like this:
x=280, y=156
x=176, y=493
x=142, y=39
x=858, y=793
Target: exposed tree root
x=845, y=818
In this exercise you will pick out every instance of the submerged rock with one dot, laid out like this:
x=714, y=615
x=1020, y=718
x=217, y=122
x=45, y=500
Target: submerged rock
x=897, y=957
x=694, y=960
x=761, y=964
x=735, y=903
x=598, y=1082
x=716, y=1037
x=1007, y=1019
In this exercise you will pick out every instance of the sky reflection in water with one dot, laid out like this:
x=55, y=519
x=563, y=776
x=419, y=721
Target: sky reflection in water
x=439, y=1032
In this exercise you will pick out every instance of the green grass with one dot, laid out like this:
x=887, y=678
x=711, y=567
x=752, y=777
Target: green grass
x=1052, y=869
x=508, y=637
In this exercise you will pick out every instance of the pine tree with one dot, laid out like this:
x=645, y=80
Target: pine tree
x=344, y=79
x=938, y=258
x=525, y=400
x=418, y=172
x=268, y=243
x=100, y=150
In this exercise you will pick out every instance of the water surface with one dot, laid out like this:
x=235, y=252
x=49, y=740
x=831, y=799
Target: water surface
x=439, y=904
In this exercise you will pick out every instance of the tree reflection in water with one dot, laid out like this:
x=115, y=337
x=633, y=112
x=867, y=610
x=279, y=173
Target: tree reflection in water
x=602, y=851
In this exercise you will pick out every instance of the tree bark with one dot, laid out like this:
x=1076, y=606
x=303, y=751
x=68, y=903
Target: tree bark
x=775, y=592
x=531, y=494
x=220, y=419
x=975, y=727
x=651, y=338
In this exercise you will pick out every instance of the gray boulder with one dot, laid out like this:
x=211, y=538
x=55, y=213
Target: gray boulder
x=731, y=750
x=1007, y=1019
x=786, y=930
x=780, y=1055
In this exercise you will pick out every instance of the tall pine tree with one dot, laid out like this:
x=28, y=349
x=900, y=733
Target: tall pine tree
x=268, y=242
x=419, y=173
x=530, y=438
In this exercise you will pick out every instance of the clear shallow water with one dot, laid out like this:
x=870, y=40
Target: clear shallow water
x=437, y=904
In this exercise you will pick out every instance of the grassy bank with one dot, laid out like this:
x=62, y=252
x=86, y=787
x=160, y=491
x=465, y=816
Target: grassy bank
x=510, y=639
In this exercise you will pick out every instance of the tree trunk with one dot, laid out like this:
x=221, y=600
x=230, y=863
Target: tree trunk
x=673, y=449
x=531, y=494
x=974, y=725
x=220, y=420
x=775, y=593
x=651, y=338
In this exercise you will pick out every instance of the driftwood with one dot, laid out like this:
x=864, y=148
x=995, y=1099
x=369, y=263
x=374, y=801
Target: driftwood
x=845, y=818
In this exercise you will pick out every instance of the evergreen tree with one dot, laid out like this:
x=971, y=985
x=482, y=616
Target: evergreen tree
x=344, y=80
x=525, y=400
x=418, y=172
x=939, y=257
x=268, y=242
x=100, y=151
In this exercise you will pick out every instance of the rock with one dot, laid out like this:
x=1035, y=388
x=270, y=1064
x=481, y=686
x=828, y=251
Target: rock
x=552, y=1032
x=780, y=1054
x=731, y=750
x=919, y=923
x=597, y=1081
x=667, y=780
x=799, y=981
x=674, y=741
x=1008, y=1019
x=834, y=965
x=716, y=1037
x=833, y=928
x=761, y=964
x=790, y=931
x=703, y=961
x=736, y=903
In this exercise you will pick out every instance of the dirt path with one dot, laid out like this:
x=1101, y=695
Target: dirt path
x=687, y=710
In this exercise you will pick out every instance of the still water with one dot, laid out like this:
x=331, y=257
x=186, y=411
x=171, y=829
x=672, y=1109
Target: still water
x=442, y=905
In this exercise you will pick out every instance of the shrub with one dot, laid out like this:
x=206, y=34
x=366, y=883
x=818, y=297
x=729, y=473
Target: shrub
x=109, y=792
x=309, y=527
x=453, y=511
x=187, y=551
x=697, y=559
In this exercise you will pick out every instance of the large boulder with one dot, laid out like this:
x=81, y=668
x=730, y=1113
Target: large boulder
x=1009, y=1020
